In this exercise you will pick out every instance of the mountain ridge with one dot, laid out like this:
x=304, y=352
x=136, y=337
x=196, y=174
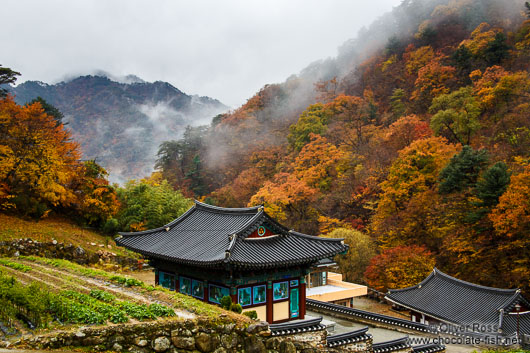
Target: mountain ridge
x=122, y=124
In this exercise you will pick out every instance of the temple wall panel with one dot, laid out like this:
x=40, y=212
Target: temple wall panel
x=260, y=310
x=280, y=311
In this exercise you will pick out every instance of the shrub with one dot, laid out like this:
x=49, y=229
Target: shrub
x=226, y=302
x=237, y=308
x=251, y=314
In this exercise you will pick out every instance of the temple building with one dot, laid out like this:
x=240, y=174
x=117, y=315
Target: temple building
x=456, y=304
x=210, y=252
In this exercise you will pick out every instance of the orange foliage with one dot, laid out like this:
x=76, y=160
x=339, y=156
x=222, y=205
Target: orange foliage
x=399, y=267
x=38, y=159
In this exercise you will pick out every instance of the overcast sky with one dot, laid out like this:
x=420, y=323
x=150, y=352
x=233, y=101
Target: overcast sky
x=225, y=49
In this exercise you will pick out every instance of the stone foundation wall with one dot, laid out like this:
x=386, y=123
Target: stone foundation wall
x=305, y=340
x=53, y=249
x=202, y=335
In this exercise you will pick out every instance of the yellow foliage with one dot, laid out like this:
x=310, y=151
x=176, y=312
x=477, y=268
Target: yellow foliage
x=480, y=38
x=418, y=59
x=327, y=224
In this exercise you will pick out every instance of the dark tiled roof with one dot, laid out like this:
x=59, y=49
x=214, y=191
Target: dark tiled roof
x=212, y=236
x=509, y=323
x=342, y=339
x=391, y=346
x=298, y=326
x=428, y=348
x=455, y=301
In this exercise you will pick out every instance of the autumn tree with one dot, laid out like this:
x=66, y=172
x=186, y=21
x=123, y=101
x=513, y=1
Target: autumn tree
x=398, y=267
x=511, y=217
x=97, y=200
x=287, y=198
x=318, y=162
x=408, y=210
x=353, y=264
x=511, y=220
x=456, y=115
x=39, y=159
x=50, y=110
x=355, y=114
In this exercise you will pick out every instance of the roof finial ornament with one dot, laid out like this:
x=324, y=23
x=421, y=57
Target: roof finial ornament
x=261, y=208
x=167, y=229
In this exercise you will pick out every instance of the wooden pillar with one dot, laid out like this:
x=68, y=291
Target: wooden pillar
x=233, y=294
x=270, y=304
x=206, y=291
x=302, y=297
x=156, y=277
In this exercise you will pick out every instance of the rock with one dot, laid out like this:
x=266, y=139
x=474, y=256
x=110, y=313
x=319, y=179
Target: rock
x=93, y=341
x=228, y=328
x=183, y=342
x=80, y=334
x=267, y=333
x=310, y=350
x=254, y=345
x=117, y=347
x=161, y=344
x=273, y=343
x=93, y=244
x=205, y=343
x=287, y=347
x=79, y=251
x=16, y=254
x=134, y=349
x=220, y=350
x=54, y=242
x=260, y=326
x=118, y=339
x=140, y=342
x=229, y=341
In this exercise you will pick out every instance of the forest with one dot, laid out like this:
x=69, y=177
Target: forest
x=415, y=148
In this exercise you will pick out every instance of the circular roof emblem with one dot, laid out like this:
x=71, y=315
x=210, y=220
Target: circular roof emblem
x=261, y=231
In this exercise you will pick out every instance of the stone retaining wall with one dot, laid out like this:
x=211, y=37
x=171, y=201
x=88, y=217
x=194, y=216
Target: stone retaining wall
x=172, y=335
x=54, y=249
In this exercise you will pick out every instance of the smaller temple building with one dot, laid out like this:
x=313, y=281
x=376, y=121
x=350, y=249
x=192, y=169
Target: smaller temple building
x=464, y=307
x=210, y=252
x=327, y=286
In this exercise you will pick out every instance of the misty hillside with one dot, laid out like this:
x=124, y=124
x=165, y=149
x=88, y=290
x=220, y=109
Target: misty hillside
x=121, y=124
x=417, y=135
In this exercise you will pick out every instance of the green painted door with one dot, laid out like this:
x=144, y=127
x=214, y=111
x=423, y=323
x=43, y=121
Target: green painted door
x=294, y=304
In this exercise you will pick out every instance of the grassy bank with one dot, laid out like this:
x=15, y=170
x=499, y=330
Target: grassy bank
x=60, y=229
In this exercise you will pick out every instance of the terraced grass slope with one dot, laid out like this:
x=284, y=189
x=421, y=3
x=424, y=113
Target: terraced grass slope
x=39, y=294
x=60, y=229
